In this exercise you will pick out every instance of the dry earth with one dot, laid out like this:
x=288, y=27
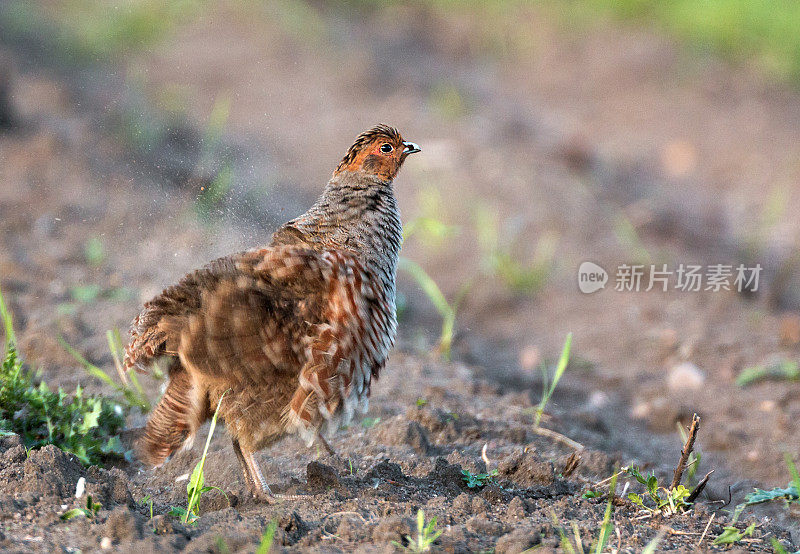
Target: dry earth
x=543, y=151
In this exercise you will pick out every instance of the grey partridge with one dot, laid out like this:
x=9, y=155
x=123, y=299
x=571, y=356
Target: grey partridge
x=292, y=333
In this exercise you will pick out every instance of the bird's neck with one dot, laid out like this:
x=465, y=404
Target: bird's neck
x=359, y=213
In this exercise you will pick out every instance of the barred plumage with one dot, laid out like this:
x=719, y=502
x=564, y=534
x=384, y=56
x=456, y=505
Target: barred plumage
x=293, y=333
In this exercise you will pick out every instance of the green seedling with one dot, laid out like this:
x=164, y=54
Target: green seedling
x=8, y=324
x=89, y=511
x=478, y=480
x=369, y=422
x=267, y=538
x=83, y=425
x=426, y=535
x=499, y=259
x=731, y=535
x=661, y=499
x=603, y=534
x=778, y=548
x=196, y=486
x=428, y=227
x=548, y=388
x=148, y=501
x=130, y=388
x=629, y=238
x=94, y=252
x=789, y=494
x=788, y=370
x=446, y=309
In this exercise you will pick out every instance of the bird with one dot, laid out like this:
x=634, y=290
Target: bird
x=286, y=338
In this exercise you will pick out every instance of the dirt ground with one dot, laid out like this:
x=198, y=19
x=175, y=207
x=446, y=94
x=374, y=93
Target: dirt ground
x=553, y=146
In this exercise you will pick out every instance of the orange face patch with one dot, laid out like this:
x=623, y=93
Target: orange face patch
x=379, y=152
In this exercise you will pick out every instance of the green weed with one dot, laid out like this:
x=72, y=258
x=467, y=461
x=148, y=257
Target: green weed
x=763, y=33
x=778, y=548
x=83, y=425
x=603, y=534
x=94, y=251
x=447, y=310
x=196, y=486
x=731, y=535
x=478, y=480
x=426, y=535
x=89, y=511
x=428, y=227
x=369, y=422
x=789, y=494
x=267, y=538
x=661, y=499
x=87, y=30
x=130, y=388
x=549, y=386
x=497, y=248
x=780, y=370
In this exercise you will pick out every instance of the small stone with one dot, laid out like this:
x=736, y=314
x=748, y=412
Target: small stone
x=530, y=357
x=640, y=410
x=122, y=525
x=392, y=528
x=462, y=503
x=480, y=525
x=526, y=470
x=321, y=477
x=519, y=540
x=105, y=543
x=679, y=158
x=479, y=505
x=685, y=377
x=516, y=508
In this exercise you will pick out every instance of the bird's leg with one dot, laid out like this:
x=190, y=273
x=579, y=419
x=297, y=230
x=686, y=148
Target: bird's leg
x=252, y=473
x=326, y=445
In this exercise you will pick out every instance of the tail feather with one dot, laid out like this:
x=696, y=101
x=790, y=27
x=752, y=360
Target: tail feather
x=173, y=421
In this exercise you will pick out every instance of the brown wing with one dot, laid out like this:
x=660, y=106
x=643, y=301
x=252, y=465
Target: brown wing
x=347, y=349
x=149, y=332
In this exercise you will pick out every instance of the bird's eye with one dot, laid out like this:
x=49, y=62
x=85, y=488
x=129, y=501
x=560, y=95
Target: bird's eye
x=386, y=148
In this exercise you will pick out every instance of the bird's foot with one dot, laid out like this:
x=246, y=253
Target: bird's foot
x=264, y=494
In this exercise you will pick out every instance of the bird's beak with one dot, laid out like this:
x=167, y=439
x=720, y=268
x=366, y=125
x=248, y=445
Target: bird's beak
x=411, y=148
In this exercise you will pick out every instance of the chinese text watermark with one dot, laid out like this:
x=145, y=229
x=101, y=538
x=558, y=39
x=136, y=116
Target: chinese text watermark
x=684, y=277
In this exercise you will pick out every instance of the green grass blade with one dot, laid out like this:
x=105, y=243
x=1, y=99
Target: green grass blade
x=547, y=392
x=653, y=544
x=114, y=345
x=605, y=528
x=793, y=471
x=89, y=367
x=8, y=323
x=427, y=284
x=563, y=361
x=197, y=474
x=267, y=538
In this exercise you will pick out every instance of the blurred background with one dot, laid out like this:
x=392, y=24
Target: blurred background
x=141, y=139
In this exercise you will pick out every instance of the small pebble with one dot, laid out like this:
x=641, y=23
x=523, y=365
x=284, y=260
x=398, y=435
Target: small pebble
x=105, y=543
x=685, y=376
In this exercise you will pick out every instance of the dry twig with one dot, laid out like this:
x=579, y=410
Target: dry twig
x=558, y=437
x=705, y=531
x=699, y=488
x=687, y=450
x=572, y=464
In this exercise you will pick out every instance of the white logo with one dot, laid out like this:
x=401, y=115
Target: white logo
x=591, y=277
